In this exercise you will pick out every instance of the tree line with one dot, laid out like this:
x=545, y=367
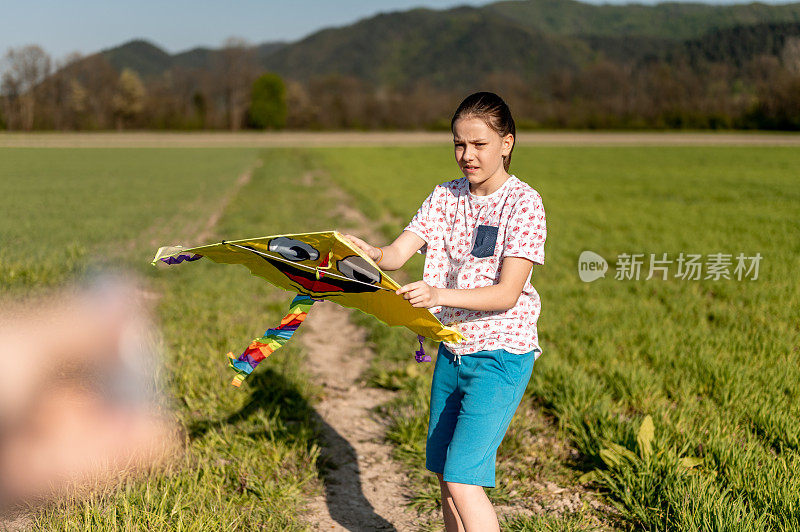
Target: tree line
x=87, y=93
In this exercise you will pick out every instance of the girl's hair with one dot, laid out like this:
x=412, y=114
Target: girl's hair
x=490, y=108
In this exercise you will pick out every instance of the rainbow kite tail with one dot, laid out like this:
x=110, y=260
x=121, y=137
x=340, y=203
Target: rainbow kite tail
x=273, y=339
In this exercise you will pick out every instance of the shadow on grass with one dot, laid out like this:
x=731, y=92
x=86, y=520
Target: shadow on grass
x=270, y=391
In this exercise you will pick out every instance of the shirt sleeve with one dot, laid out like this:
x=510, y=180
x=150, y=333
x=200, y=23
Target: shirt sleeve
x=422, y=223
x=527, y=230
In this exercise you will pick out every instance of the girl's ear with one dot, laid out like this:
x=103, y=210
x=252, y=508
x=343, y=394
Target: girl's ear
x=508, y=143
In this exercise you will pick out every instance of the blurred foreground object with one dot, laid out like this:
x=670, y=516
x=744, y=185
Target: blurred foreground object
x=79, y=407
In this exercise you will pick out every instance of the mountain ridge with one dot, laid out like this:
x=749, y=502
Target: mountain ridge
x=528, y=39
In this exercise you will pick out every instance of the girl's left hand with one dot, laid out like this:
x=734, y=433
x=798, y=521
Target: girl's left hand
x=420, y=294
x=371, y=251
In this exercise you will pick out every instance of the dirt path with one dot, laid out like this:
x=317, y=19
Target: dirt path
x=151, y=139
x=364, y=488
x=242, y=181
x=187, y=231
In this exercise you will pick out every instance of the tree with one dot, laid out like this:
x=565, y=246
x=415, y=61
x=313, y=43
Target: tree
x=338, y=101
x=233, y=72
x=267, y=103
x=55, y=96
x=10, y=89
x=200, y=108
x=97, y=87
x=78, y=99
x=129, y=100
x=790, y=55
x=26, y=67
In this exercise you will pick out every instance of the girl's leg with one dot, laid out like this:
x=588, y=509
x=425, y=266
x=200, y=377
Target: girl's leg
x=452, y=522
x=472, y=506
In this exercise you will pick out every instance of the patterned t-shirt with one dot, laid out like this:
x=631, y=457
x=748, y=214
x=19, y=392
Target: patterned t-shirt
x=467, y=237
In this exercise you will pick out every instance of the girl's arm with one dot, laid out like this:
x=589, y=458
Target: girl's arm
x=501, y=296
x=394, y=255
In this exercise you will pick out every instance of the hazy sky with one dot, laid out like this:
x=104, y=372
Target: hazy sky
x=90, y=25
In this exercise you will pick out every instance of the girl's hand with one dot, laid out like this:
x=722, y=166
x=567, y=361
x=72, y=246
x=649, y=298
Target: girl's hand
x=420, y=294
x=373, y=252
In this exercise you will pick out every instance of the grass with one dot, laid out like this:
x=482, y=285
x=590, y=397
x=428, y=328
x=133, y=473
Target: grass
x=713, y=364
x=251, y=454
x=61, y=209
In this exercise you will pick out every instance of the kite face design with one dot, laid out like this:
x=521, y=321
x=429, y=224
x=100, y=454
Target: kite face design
x=294, y=250
x=316, y=266
x=350, y=274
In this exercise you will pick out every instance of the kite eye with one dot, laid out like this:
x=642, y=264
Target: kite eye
x=358, y=268
x=292, y=249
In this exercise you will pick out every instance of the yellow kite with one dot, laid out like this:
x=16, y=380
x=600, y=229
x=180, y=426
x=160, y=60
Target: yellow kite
x=316, y=266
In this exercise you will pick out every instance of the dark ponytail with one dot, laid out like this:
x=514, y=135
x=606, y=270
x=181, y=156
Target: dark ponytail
x=490, y=108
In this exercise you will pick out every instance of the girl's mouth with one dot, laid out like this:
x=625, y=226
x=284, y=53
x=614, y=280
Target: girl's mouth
x=469, y=168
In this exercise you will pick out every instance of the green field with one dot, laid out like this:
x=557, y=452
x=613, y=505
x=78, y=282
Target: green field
x=712, y=363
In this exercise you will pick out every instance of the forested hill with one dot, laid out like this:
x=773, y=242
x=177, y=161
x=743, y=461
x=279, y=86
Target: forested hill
x=457, y=47
x=148, y=60
x=738, y=45
x=530, y=39
x=669, y=20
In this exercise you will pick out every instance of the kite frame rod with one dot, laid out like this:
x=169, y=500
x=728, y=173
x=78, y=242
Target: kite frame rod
x=312, y=268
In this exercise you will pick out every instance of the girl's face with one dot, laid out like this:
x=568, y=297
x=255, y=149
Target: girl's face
x=479, y=149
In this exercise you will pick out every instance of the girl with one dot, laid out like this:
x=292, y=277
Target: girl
x=481, y=235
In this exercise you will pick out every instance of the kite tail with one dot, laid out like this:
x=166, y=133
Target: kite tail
x=272, y=340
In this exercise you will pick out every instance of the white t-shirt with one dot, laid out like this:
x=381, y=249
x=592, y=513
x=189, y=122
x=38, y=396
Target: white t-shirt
x=467, y=237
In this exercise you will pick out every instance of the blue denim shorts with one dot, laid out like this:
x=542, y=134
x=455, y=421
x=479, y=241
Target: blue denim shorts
x=473, y=398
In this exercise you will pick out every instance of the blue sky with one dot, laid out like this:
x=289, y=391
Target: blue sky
x=87, y=26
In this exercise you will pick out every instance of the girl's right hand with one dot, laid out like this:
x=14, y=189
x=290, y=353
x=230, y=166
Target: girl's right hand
x=373, y=252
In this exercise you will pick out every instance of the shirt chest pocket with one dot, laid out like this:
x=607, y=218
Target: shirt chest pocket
x=485, y=240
